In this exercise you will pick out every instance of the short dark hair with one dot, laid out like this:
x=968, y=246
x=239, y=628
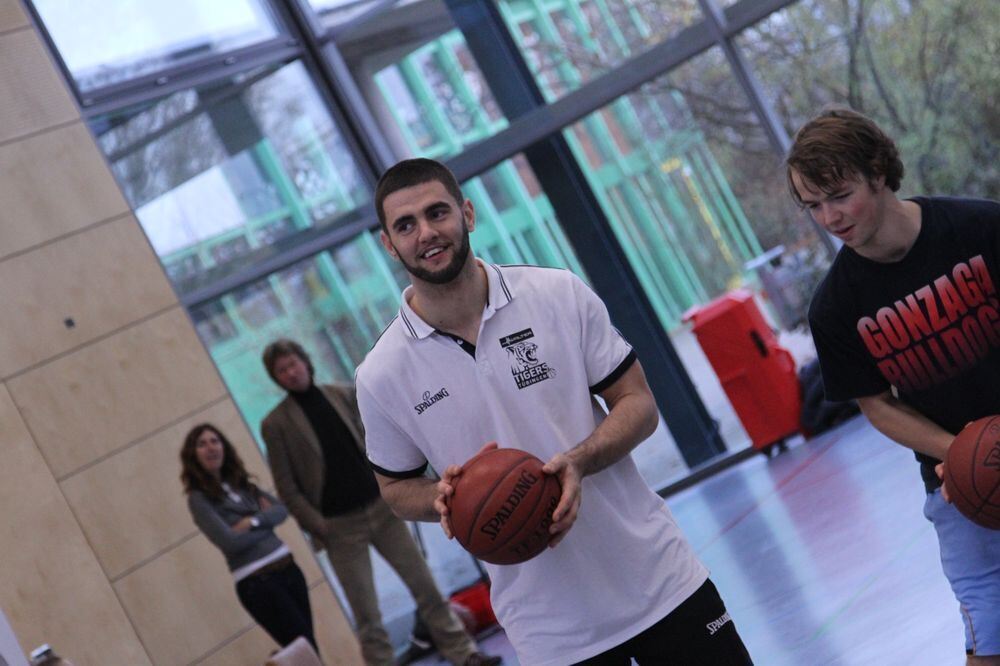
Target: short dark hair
x=409, y=173
x=284, y=347
x=840, y=144
x=193, y=475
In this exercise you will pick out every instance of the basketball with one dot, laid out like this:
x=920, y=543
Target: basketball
x=972, y=472
x=502, y=506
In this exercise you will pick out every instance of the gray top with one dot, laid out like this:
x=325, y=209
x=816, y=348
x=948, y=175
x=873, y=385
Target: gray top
x=215, y=518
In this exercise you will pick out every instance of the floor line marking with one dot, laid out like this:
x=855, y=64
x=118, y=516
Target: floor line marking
x=823, y=628
x=813, y=457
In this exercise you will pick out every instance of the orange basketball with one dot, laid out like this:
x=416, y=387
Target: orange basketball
x=502, y=506
x=972, y=472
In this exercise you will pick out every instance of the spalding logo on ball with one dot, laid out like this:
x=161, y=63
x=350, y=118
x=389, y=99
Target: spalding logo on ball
x=972, y=472
x=502, y=506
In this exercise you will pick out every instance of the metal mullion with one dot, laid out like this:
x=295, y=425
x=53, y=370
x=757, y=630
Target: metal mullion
x=742, y=15
x=763, y=109
x=338, y=89
x=326, y=239
x=184, y=76
x=533, y=126
x=775, y=131
x=377, y=9
x=201, y=106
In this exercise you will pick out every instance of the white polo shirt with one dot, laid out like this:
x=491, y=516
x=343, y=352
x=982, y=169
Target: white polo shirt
x=545, y=346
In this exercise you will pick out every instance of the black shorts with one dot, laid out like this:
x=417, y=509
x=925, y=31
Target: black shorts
x=699, y=632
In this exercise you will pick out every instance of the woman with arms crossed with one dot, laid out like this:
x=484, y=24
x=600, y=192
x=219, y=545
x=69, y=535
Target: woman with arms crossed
x=239, y=518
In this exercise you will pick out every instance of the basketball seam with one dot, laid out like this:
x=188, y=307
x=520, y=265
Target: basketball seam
x=988, y=496
x=487, y=495
x=538, y=499
x=974, y=502
x=956, y=489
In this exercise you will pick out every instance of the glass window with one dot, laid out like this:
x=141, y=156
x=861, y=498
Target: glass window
x=569, y=42
x=214, y=324
x=336, y=303
x=223, y=175
x=107, y=42
x=876, y=57
x=694, y=192
x=515, y=220
x=420, y=80
x=336, y=12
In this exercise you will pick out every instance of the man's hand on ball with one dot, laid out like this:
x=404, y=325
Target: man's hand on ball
x=945, y=495
x=564, y=515
x=446, y=489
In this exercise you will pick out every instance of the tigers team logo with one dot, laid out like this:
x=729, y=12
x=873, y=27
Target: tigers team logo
x=522, y=353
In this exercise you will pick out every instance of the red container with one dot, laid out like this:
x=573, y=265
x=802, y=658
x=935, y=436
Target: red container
x=757, y=374
x=476, y=600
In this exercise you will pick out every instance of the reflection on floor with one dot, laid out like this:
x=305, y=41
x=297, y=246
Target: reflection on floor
x=823, y=556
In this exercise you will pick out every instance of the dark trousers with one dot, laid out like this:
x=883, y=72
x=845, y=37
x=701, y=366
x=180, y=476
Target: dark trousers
x=699, y=632
x=279, y=602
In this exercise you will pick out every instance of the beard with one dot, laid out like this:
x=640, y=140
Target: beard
x=449, y=272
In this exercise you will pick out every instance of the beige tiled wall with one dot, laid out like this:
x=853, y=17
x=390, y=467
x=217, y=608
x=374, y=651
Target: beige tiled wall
x=61, y=293
x=32, y=96
x=62, y=160
x=101, y=375
x=51, y=585
x=11, y=15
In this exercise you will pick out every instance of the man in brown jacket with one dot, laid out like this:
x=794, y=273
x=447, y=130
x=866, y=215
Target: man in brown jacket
x=315, y=445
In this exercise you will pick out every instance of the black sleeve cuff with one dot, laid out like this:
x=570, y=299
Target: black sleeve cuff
x=615, y=374
x=410, y=474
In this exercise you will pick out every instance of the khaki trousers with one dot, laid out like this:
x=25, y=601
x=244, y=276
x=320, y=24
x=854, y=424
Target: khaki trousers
x=346, y=543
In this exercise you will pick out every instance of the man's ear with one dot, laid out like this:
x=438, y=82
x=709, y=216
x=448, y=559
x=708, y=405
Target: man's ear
x=387, y=244
x=470, y=214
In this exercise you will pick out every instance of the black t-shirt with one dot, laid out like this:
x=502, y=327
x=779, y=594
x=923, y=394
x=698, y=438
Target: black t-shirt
x=349, y=482
x=928, y=324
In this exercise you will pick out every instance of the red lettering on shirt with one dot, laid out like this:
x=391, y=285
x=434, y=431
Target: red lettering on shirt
x=938, y=331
